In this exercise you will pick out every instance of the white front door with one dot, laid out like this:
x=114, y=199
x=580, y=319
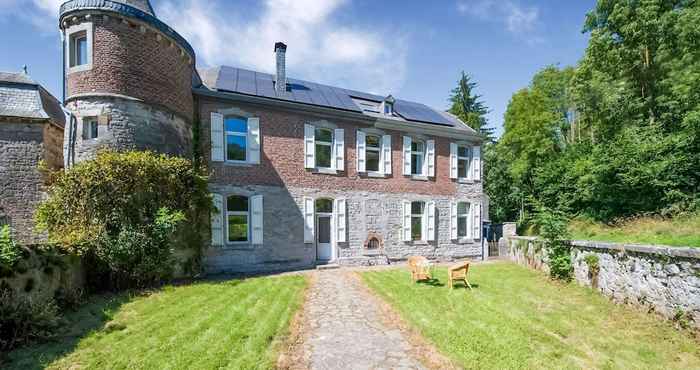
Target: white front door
x=324, y=243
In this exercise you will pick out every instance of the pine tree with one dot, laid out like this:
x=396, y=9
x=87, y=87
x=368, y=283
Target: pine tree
x=469, y=107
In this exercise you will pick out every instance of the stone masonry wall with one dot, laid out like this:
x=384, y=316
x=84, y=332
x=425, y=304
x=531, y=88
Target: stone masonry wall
x=665, y=279
x=131, y=125
x=283, y=230
x=21, y=183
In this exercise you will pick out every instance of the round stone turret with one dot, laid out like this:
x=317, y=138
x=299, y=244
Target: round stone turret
x=128, y=79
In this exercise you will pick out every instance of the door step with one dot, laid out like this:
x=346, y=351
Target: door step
x=329, y=266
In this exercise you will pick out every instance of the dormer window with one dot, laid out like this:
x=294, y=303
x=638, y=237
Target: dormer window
x=388, y=106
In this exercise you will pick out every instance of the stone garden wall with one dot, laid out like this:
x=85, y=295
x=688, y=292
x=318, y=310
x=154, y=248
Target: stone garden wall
x=665, y=279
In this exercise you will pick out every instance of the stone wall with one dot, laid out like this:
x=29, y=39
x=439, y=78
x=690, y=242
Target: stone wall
x=367, y=212
x=129, y=125
x=665, y=279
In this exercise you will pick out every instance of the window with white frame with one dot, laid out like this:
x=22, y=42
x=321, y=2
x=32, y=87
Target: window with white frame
x=417, y=157
x=78, y=49
x=373, y=148
x=417, y=212
x=464, y=160
x=323, y=139
x=463, y=209
x=238, y=219
x=90, y=128
x=236, y=139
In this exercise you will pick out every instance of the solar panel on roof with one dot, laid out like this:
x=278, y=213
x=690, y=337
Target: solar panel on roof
x=228, y=79
x=264, y=85
x=316, y=95
x=246, y=82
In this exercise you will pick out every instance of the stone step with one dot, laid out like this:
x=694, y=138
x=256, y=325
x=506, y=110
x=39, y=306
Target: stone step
x=329, y=266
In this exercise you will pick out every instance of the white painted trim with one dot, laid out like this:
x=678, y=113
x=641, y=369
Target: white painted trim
x=88, y=28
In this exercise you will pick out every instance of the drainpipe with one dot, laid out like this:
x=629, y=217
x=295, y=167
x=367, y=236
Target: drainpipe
x=63, y=72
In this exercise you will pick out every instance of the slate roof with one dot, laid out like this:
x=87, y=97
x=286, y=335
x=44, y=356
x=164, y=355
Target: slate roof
x=22, y=97
x=247, y=82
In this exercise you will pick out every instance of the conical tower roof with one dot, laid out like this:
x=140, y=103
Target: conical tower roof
x=143, y=5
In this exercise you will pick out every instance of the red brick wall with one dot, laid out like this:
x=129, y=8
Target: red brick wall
x=282, y=156
x=128, y=62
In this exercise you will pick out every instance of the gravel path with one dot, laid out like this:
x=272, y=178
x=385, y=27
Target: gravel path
x=345, y=328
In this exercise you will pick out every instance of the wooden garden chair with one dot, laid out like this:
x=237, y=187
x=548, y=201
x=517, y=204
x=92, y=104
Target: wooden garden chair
x=458, y=272
x=420, y=268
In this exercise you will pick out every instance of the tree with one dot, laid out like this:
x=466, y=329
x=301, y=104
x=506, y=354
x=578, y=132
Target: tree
x=469, y=108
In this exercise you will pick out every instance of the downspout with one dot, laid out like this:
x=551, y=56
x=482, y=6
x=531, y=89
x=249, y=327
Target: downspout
x=63, y=71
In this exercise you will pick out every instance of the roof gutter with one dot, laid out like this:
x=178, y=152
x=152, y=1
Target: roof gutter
x=429, y=129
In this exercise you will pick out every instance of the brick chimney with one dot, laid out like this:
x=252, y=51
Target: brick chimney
x=281, y=75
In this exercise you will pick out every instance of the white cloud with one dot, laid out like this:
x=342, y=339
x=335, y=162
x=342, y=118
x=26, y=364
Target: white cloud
x=320, y=48
x=41, y=13
x=518, y=20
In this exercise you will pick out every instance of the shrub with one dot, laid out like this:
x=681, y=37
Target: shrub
x=121, y=213
x=553, y=229
x=23, y=319
x=10, y=252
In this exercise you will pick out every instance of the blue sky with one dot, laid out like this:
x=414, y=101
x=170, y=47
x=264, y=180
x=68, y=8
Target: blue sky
x=407, y=48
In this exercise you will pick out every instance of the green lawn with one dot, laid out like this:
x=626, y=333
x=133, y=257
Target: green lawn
x=679, y=232
x=235, y=324
x=516, y=318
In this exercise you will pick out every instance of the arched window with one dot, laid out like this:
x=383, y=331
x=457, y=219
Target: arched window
x=238, y=218
x=324, y=205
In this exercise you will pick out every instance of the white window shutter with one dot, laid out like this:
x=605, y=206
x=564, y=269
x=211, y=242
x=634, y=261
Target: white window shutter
x=453, y=160
x=476, y=163
x=254, y=140
x=406, y=221
x=407, y=155
x=430, y=157
x=341, y=220
x=430, y=221
x=309, y=222
x=339, y=150
x=476, y=215
x=309, y=146
x=217, y=137
x=453, y=221
x=217, y=221
x=361, y=152
x=386, y=154
x=256, y=221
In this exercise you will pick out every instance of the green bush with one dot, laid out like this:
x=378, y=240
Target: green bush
x=553, y=229
x=10, y=253
x=23, y=319
x=125, y=214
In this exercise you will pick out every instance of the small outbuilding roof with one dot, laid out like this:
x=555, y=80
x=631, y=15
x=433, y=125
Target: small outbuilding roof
x=22, y=97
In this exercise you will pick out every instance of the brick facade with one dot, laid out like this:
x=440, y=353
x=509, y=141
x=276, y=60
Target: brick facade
x=127, y=61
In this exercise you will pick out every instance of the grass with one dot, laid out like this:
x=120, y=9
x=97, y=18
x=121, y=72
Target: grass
x=516, y=318
x=680, y=232
x=236, y=324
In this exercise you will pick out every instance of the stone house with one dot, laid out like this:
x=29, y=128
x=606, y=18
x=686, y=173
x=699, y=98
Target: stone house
x=31, y=131
x=302, y=173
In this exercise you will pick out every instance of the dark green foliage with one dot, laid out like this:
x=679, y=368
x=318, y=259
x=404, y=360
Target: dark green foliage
x=469, y=107
x=10, y=252
x=618, y=136
x=552, y=227
x=125, y=214
x=23, y=319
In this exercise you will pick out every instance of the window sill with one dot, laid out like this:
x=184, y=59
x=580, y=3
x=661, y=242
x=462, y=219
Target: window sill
x=238, y=164
x=325, y=171
x=377, y=175
x=465, y=181
x=420, y=178
x=237, y=247
x=419, y=242
x=80, y=68
x=466, y=240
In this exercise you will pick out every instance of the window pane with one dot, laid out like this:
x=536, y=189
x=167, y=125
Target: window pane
x=462, y=227
x=372, y=141
x=416, y=164
x=93, y=129
x=235, y=148
x=463, y=151
x=462, y=167
x=324, y=229
x=81, y=51
x=462, y=208
x=323, y=156
x=372, y=163
x=324, y=206
x=237, y=203
x=416, y=228
x=416, y=146
x=324, y=134
x=237, y=125
x=417, y=208
x=237, y=228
